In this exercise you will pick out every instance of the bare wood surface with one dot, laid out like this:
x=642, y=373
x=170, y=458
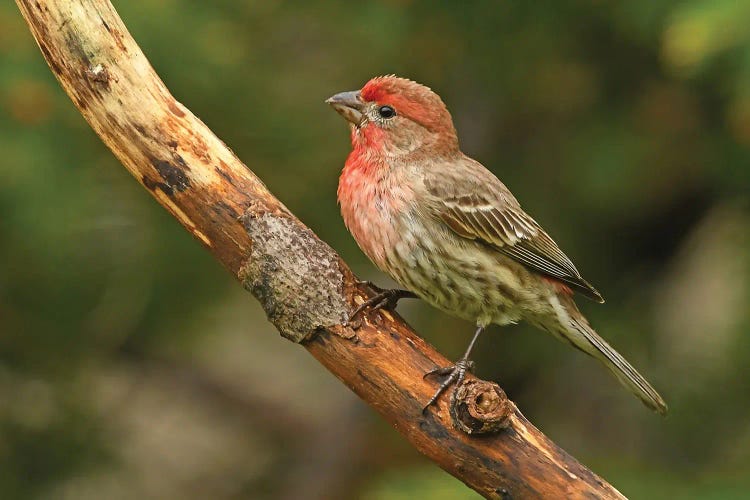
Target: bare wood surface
x=305, y=288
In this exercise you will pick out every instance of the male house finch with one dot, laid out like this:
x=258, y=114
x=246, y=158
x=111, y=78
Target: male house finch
x=445, y=228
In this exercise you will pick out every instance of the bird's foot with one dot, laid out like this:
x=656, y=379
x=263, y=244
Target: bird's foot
x=384, y=299
x=453, y=375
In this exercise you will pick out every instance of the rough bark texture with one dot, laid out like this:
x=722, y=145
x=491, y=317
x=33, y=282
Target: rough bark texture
x=305, y=288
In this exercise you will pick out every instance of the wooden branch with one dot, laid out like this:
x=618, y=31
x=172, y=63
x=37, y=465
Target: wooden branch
x=305, y=288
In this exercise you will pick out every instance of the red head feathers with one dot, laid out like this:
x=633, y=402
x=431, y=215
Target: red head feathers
x=410, y=99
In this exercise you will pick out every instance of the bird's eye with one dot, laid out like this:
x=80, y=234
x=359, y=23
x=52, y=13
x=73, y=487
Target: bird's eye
x=386, y=111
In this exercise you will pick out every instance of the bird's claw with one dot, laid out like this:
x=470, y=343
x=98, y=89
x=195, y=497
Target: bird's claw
x=384, y=299
x=454, y=375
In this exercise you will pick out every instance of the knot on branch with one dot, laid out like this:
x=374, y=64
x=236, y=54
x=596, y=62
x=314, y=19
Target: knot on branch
x=98, y=74
x=295, y=276
x=480, y=407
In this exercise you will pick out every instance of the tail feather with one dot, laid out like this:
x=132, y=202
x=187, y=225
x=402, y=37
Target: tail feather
x=620, y=368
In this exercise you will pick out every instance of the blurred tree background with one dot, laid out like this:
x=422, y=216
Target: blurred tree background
x=133, y=366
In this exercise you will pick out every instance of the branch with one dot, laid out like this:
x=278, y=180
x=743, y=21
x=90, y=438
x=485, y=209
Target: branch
x=305, y=288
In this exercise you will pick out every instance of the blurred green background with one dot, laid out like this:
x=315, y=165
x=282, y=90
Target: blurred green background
x=133, y=366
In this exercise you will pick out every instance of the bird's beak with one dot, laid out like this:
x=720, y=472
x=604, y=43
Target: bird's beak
x=349, y=105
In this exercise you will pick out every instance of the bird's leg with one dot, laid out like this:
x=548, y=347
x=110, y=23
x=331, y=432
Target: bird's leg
x=384, y=298
x=454, y=374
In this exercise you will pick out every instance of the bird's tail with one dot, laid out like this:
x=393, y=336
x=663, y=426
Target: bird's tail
x=582, y=336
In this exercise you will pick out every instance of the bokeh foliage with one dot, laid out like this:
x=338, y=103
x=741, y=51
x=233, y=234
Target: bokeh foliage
x=130, y=364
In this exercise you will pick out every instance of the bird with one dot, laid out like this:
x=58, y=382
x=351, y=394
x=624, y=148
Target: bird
x=449, y=232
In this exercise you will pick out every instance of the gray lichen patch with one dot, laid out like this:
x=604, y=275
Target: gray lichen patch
x=295, y=276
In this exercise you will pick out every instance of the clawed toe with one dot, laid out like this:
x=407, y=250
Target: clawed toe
x=364, y=305
x=448, y=370
x=454, y=375
x=384, y=299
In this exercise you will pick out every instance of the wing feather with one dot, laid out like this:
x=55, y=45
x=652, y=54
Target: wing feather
x=480, y=207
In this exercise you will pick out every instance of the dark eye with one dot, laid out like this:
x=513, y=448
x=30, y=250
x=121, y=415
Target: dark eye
x=386, y=111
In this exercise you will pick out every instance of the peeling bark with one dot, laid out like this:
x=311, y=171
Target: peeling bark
x=306, y=290
x=296, y=277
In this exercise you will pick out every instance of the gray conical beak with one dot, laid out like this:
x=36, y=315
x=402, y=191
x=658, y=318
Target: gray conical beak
x=349, y=105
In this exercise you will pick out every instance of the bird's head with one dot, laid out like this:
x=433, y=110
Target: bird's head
x=396, y=116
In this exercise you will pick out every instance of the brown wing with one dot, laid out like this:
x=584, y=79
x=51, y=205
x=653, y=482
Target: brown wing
x=478, y=206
